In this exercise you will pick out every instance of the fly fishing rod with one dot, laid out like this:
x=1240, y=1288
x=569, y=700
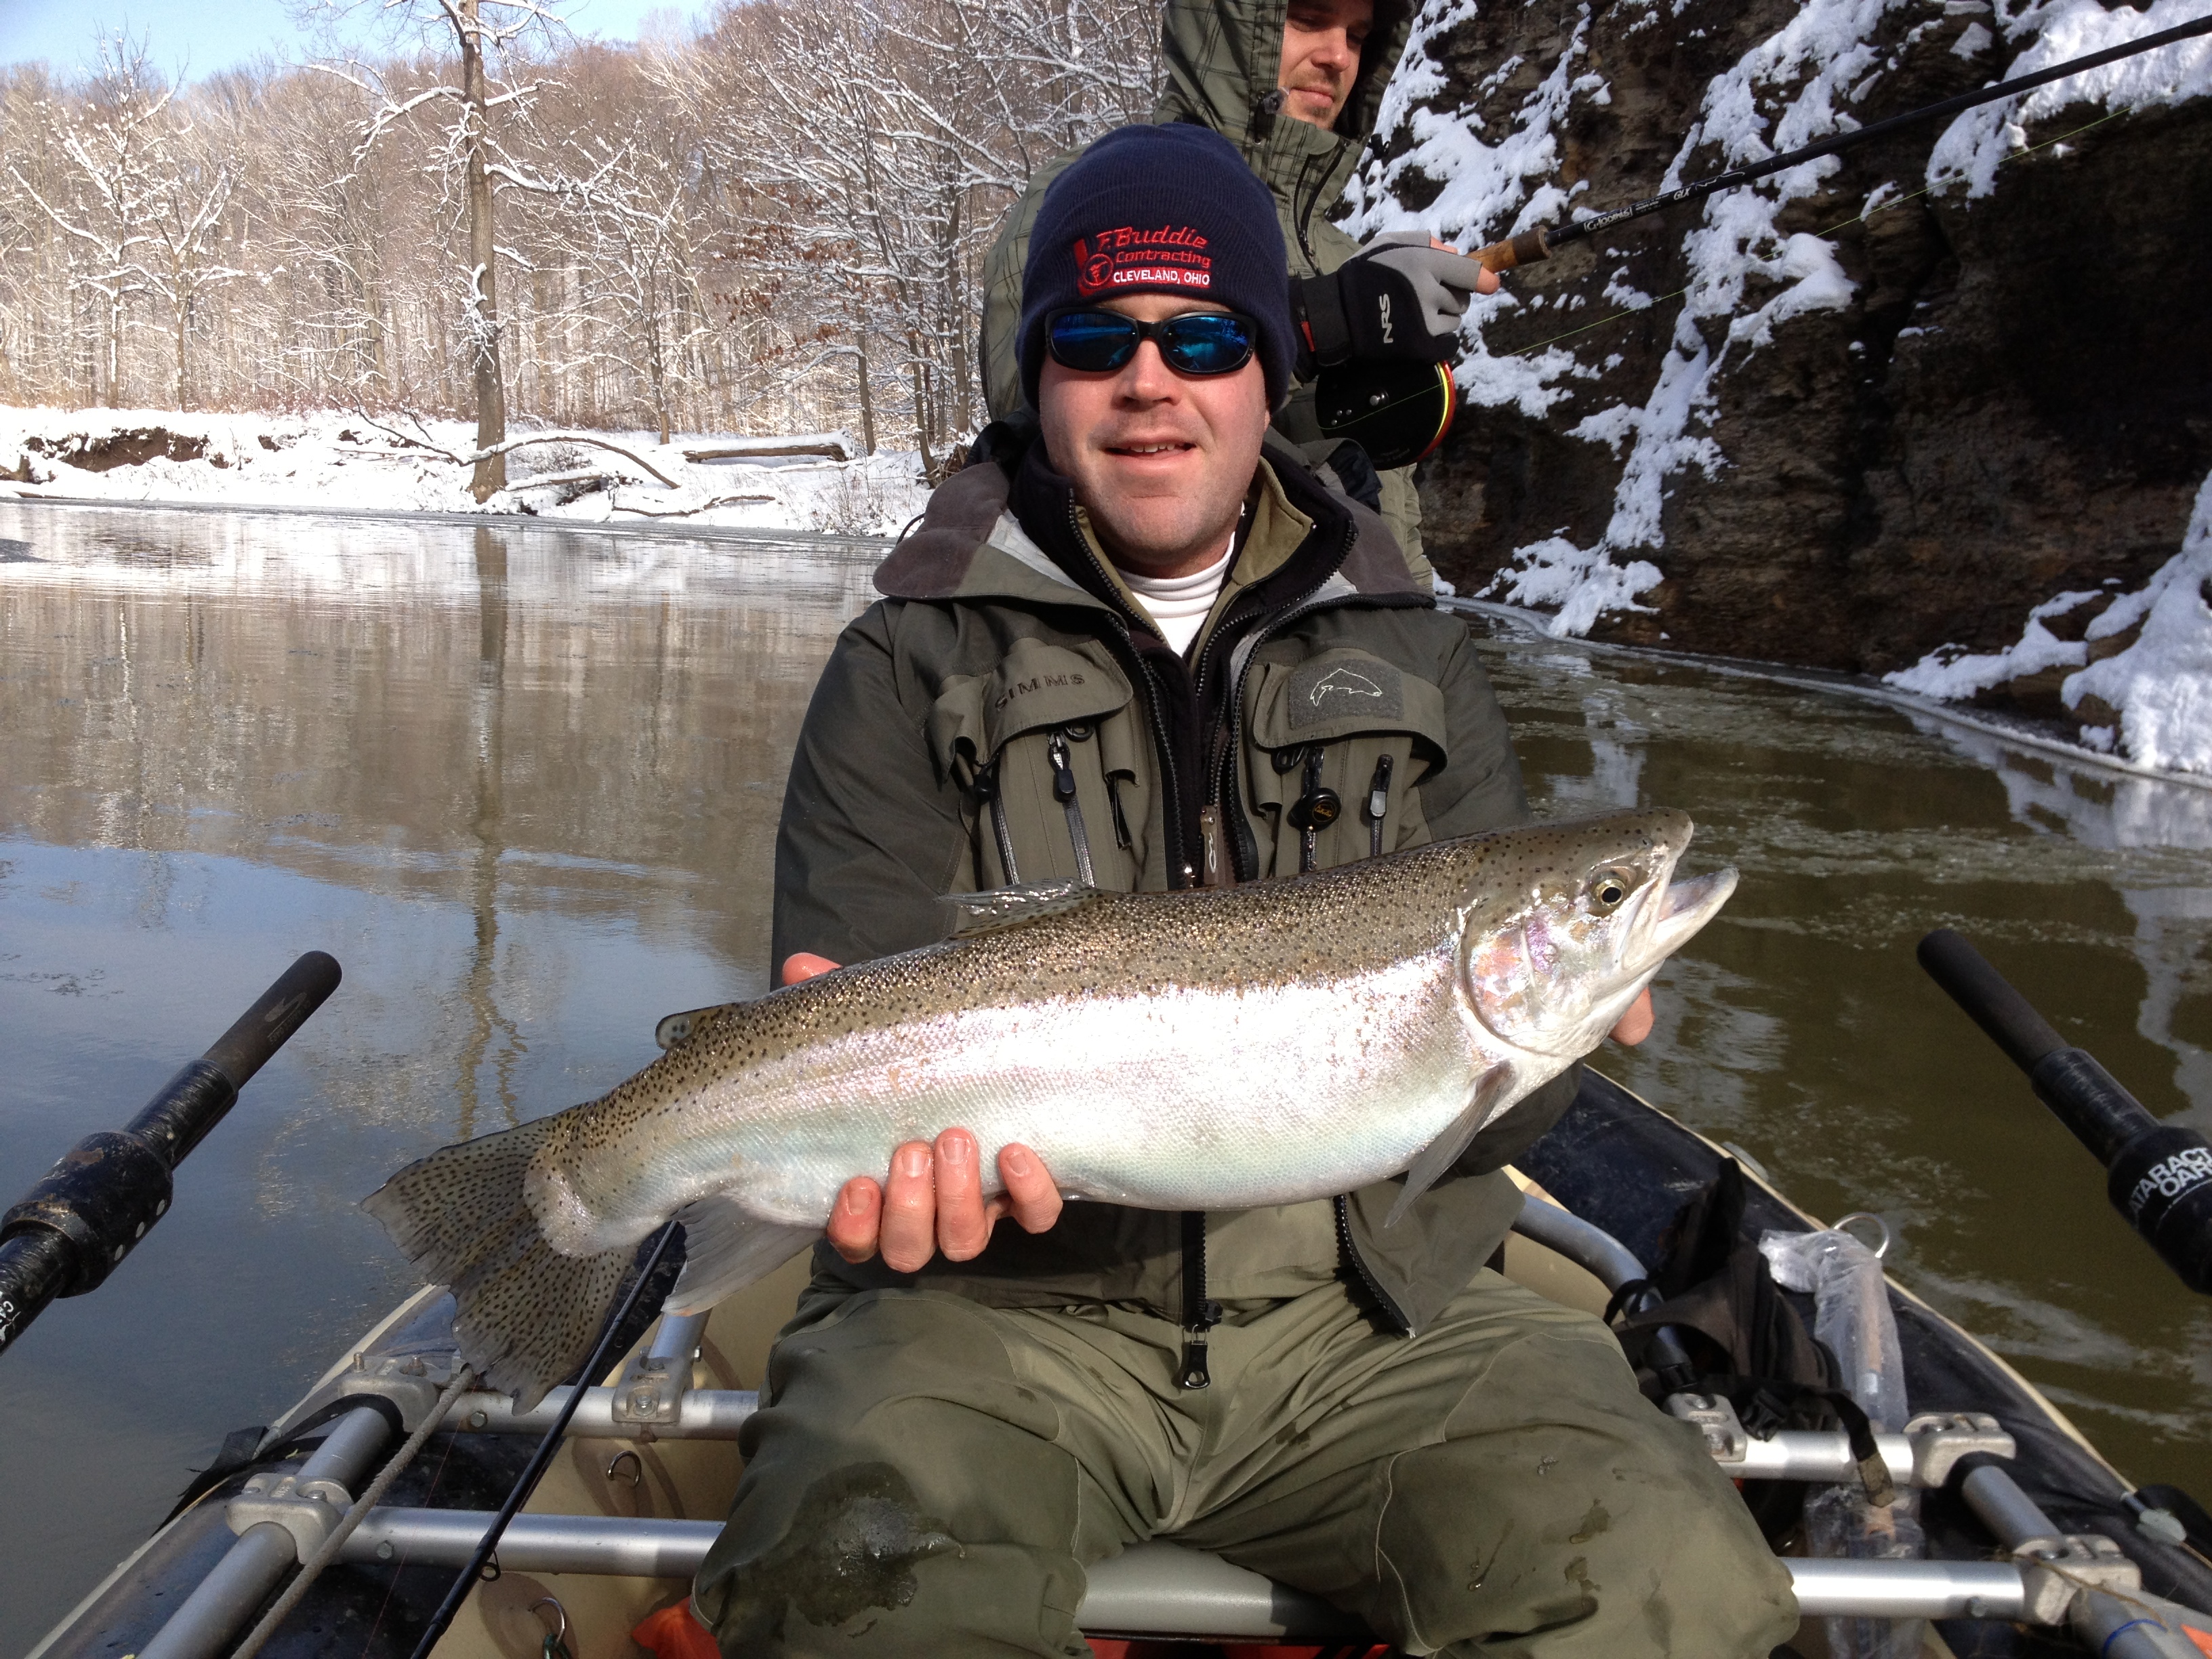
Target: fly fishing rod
x=1533, y=246
x=93, y=1208
x=2159, y=1174
x=1399, y=409
x=649, y=1282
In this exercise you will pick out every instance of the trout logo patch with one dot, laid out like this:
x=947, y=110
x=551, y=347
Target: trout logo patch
x=1327, y=691
x=1142, y=255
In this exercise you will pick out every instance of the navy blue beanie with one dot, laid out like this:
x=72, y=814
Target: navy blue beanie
x=1165, y=210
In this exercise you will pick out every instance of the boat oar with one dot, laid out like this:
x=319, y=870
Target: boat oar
x=1531, y=246
x=108, y=1190
x=2160, y=1174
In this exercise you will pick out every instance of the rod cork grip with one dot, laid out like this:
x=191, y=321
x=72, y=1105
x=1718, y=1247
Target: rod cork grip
x=1529, y=248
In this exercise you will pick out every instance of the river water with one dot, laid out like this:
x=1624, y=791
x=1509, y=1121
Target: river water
x=523, y=783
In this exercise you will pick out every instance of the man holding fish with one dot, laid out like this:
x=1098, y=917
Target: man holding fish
x=1141, y=649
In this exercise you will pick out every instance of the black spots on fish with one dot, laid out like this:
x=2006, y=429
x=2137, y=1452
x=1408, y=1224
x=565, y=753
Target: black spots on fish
x=849, y=1550
x=1594, y=1522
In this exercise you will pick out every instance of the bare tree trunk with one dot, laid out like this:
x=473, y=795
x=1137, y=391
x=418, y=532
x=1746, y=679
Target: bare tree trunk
x=867, y=397
x=483, y=255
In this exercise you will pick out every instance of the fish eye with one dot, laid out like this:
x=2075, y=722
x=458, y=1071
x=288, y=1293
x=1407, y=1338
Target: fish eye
x=1608, y=890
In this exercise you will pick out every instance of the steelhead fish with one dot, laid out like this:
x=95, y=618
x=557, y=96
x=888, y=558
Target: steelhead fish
x=1211, y=1049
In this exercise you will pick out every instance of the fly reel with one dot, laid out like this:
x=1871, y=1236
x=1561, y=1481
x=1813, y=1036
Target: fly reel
x=1396, y=411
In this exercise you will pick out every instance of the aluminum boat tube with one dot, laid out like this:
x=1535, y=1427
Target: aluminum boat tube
x=708, y=1415
x=208, y=1622
x=1906, y=1589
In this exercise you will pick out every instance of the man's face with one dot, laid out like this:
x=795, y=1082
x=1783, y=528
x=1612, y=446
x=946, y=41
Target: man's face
x=1320, y=57
x=1160, y=460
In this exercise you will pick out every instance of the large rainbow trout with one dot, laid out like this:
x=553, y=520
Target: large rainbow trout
x=1139, y=1042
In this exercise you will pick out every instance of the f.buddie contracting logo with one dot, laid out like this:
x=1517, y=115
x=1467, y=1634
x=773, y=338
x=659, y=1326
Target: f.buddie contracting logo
x=1137, y=256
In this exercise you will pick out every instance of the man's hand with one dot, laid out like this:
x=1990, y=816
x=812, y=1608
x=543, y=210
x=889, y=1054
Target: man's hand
x=1401, y=296
x=933, y=1199
x=1635, y=1025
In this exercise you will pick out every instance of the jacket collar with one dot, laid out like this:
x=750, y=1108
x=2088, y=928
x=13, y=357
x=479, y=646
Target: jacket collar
x=999, y=529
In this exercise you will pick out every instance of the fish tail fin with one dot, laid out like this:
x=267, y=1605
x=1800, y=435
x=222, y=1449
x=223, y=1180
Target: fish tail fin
x=525, y=1315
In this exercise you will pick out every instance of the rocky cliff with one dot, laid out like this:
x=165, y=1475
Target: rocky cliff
x=1933, y=407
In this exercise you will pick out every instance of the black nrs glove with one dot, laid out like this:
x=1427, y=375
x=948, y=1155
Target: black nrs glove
x=1397, y=297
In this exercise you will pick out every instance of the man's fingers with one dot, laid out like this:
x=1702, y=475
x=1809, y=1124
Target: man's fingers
x=805, y=965
x=1635, y=1025
x=909, y=1221
x=855, y=1217
x=962, y=1228
x=1030, y=1197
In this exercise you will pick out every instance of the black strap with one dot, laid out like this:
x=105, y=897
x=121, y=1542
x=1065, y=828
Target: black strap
x=1762, y=1403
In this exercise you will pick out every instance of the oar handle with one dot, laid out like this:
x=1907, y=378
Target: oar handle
x=70, y=1231
x=2159, y=1175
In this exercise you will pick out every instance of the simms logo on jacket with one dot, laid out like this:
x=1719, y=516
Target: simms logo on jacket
x=1136, y=256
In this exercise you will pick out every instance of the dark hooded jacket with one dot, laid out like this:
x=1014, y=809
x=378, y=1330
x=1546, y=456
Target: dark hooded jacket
x=1007, y=714
x=1221, y=58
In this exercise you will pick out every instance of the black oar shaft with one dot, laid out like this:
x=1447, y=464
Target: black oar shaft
x=70, y=1231
x=2159, y=1175
x=1532, y=245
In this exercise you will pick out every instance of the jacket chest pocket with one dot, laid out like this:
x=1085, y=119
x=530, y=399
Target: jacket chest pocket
x=1045, y=752
x=1339, y=741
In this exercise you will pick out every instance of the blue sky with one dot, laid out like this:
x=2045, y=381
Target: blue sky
x=200, y=37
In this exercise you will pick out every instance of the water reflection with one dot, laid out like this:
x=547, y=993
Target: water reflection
x=523, y=782
x=1798, y=1026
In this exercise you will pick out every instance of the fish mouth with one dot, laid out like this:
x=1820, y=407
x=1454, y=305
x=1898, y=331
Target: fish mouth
x=1685, y=907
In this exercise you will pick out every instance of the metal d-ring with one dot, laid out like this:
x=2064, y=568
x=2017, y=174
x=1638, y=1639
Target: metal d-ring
x=1881, y=1226
x=615, y=1462
x=561, y=1631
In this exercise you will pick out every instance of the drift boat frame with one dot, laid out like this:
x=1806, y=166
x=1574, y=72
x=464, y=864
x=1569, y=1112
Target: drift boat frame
x=2048, y=1541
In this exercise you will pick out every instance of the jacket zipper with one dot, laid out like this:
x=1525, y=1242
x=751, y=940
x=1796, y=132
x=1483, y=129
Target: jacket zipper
x=1351, y=1253
x=1200, y=1314
x=1163, y=739
x=1063, y=789
x=1378, y=802
x=986, y=780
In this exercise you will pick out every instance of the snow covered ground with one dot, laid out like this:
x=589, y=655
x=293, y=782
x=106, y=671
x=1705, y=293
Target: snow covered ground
x=344, y=461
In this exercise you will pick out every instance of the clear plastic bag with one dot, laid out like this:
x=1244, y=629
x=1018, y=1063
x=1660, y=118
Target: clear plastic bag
x=1851, y=1314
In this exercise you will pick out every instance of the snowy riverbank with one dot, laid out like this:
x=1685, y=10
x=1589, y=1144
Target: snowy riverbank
x=814, y=482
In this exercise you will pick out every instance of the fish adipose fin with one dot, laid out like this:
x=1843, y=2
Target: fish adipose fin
x=1005, y=906
x=1444, y=1151
x=525, y=1314
x=727, y=1247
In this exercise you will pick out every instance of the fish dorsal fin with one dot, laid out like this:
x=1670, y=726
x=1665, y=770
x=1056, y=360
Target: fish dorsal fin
x=1005, y=906
x=727, y=1247
x=1490, y=1092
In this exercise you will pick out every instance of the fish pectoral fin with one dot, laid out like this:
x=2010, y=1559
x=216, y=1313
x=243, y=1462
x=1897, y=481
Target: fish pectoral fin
x=727, y=1247
x=1440, y=1154
x=1005, y=906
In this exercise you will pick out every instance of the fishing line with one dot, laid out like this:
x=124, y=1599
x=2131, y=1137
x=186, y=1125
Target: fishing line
x=1844, y=224
x=542, y=1458
x=1532, y=245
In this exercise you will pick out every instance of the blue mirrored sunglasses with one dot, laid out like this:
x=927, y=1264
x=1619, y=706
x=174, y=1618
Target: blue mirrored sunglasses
x=1196, y=342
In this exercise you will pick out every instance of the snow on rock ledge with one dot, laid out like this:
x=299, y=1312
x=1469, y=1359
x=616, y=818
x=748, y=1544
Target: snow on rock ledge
x=2143, y=688
x=1953, y=386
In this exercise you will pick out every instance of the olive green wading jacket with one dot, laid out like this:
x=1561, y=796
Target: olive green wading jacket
x=1222, y=58
x=1006, y=713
